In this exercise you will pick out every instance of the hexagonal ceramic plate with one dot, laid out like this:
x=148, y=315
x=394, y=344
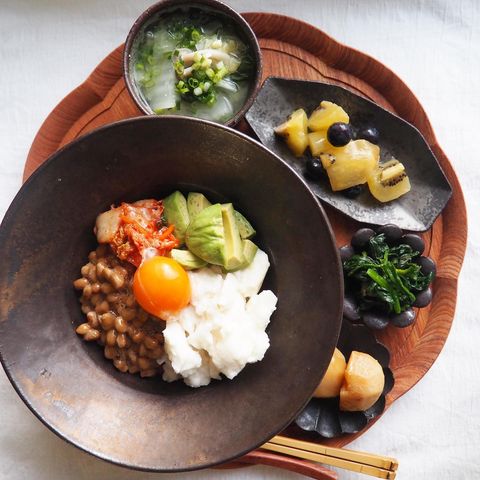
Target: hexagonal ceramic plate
x=414, y=211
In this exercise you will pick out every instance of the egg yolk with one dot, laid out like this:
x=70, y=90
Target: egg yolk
x=161, y=285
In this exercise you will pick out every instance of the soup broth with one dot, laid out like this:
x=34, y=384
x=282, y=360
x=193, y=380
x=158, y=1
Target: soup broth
x=193, y=63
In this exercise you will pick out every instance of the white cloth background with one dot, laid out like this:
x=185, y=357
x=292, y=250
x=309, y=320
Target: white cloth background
x=48, y=47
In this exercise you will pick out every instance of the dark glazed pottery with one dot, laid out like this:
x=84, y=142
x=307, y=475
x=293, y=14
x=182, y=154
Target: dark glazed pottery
x=212, y=6
x=323, y=415
x=146, y=423
x=416, y=210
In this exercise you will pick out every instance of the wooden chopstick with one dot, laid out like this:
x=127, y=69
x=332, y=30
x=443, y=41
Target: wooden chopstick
x=361, y=457
x=366, y=463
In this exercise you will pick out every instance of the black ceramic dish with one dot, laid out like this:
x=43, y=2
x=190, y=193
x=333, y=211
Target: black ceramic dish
x=323, y=415
x=148, y=424
x=374, y=311
x=415, y=211
x=213, y=7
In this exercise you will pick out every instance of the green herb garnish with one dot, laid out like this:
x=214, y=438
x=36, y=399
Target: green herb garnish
x=386, y=276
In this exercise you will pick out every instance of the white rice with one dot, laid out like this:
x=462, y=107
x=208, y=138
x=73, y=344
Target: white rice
x=223, y=328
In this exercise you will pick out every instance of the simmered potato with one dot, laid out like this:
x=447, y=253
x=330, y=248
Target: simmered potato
x=294, y=130
x=350, y=165
x=325, y=115
x=363, y=383
x=333, y=378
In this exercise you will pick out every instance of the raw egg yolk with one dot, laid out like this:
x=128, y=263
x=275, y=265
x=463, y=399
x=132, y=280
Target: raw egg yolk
x=161, y=285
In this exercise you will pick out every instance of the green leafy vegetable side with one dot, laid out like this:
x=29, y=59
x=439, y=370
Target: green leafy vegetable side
x=386, y=275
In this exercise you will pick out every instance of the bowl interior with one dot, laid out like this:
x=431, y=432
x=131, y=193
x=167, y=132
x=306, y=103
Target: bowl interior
x=212, y=7
x=145, y=423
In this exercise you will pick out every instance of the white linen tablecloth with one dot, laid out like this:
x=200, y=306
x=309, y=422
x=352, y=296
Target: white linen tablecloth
x=48, y=47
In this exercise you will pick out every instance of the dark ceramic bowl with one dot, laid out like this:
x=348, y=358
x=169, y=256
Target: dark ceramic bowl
x=148, y=424
x=416, y=211
x=213, y=7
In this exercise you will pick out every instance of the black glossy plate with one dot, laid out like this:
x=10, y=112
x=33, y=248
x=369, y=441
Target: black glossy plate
x=415, y=211
x=323, y=415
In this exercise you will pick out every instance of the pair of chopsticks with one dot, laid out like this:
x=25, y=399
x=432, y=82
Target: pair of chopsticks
x=366, y=463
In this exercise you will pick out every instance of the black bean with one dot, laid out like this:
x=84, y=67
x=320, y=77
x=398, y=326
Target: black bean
x=361, y=237
x=404, y=319
x=350, y=308
x=346, y=252
x=415, y=241
x=393, y=233
x=427, y=265
x=375, y=320
x=423, y=298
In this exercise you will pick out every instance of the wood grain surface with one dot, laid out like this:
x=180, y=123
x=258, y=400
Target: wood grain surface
x=294, y=49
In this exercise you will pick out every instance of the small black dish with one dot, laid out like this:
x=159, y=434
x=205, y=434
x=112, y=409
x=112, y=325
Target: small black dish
x=322, y=415
x=360, y=303
x=415, y=211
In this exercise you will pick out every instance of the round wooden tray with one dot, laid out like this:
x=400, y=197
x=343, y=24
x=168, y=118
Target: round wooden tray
x=294, y=49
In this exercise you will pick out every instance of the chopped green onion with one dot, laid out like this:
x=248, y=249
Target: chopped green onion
x=179, y=68
x=195, y=35
x=197, y=91
x=193, y=82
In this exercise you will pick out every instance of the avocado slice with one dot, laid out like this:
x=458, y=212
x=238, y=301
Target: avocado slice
x=233, y=243
x=196, y=202
x=205, y=236
x=249, y=252
x=176, y=213
x=187, y=259
x=244, y=227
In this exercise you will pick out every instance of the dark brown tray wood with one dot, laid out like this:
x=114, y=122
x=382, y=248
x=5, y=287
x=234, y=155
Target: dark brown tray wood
x=294, y=49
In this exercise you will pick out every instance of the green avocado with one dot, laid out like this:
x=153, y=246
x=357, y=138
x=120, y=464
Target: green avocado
x=205, y=236
x=187, y=259
x=249, y=252
x=214, y=237
x=176, y=213
x=244, y=227
x=233, y=243
x=196, y=202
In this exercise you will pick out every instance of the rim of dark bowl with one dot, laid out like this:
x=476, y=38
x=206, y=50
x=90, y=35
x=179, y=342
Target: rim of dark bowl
x=212, y=5
x=11, y=211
